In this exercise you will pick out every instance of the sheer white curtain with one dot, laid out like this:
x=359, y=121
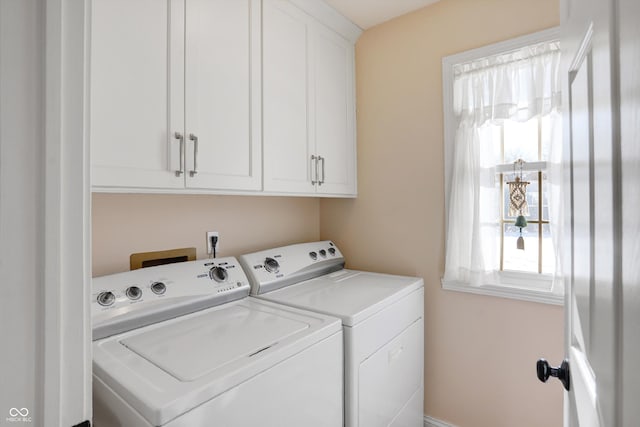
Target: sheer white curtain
x=516, y=86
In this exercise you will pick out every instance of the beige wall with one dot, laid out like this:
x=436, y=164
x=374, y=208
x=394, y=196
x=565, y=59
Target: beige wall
x=479, y=351
x=127, y=223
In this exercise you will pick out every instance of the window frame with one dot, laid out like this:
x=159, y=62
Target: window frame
x=516, y=285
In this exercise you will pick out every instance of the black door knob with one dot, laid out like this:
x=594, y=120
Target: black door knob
x=562, y=373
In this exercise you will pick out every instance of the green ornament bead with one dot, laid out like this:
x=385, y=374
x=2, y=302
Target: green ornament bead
x=521, y=221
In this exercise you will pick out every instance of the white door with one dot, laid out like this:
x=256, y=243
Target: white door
x=136, y=93
x=590, y=260
x=629, y=70
x=334, y=107
x=590, y=318
x=223, y=92
x=601, y=255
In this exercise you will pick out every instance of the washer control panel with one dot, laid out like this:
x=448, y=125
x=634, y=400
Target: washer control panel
x=276, y=268
x=162, y=292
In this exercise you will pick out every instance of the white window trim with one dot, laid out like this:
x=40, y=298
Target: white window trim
x=515, y=285
x=506, y=291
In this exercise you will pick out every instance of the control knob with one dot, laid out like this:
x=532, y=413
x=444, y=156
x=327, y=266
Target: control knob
x=271, y=265
x=106, y=298
x=219, y=274
x=158, y=288
x=134, y=292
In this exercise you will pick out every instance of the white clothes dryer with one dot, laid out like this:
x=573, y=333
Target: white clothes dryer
x=382, y=318
x=183, y=345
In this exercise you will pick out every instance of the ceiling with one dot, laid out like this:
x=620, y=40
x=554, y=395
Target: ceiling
x=367, y=13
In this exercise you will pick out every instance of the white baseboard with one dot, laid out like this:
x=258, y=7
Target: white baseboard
x=432, y=422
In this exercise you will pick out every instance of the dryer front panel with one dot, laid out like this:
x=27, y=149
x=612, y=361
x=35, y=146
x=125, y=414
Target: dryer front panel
x=390, y=377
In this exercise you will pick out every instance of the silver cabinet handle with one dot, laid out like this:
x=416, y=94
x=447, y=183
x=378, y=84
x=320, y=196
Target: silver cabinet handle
x=194, y=138
x=314, y=166
x=180, y=137
x=320, y=182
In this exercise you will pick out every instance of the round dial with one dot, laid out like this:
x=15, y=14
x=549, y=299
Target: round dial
x=106, y=298
x=134, y=292
x=159, y=288
x=332, y=251
x=313, y=255
x=219, y=274
x=271, y=265
x=322, y=253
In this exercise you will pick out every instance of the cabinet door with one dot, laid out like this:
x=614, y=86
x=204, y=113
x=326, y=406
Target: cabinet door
x=334, y=102
x=223, y=90
x=136, y=92
x=287, y=114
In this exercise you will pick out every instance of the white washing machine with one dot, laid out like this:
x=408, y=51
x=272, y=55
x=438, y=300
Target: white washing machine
x=184, y=345
x=382, y=318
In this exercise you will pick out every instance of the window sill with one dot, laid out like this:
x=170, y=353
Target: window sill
x=519, y=292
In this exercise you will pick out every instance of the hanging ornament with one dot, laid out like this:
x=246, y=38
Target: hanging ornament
x=518, y=201
x=521, y=222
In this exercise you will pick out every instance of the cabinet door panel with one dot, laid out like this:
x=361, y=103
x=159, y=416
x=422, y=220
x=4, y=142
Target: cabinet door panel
x=136, y=92
x=223, y=93
x=287, y=156
x=334, y=112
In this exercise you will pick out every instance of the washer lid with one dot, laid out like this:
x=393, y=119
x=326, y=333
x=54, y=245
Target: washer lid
x=351, y=295
x=168, y=368
x=195, y=347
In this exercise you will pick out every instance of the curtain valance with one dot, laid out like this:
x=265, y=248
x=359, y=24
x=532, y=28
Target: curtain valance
x=517, y=86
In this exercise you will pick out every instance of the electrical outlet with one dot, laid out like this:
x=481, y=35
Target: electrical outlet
x=209, y=248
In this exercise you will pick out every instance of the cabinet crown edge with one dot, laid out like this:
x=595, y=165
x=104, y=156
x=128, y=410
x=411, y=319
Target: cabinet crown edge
x=330, y=17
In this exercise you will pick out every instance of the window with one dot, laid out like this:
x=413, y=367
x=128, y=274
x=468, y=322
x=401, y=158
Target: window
x=502, y=121
x=524, y=142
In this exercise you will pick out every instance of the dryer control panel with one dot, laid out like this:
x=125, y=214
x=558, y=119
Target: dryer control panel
x=129, y=300
x=276, y=268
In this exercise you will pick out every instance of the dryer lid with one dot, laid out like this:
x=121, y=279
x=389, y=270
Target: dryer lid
x=197, y=346
x=350, y=295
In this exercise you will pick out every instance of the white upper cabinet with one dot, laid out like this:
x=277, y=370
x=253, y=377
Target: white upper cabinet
x=222, y=99
x=233, y=96
x=137, y=92
x=334, y=111
x=286, y=108
x=309, y=139
x=175, y=94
